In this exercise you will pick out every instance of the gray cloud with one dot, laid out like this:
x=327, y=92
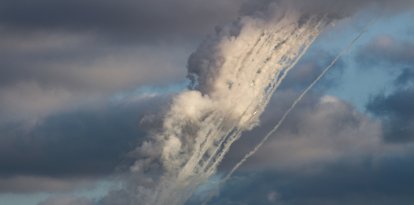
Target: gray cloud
x=396, y=113
x=37, y=184
x=142, y=19
x=78, y=61
x=320, y=131
x=154, y=19
x=388, y=51
x=345, y=8
x=66, y=200
x=56, y=55
x=393, y=108
x=406, y=78
x=333, y=9
x=116, y=197
x=343, y=182
x=42, y=74
x=74, y=146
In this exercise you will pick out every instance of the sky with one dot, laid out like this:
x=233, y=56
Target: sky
x=83, y=83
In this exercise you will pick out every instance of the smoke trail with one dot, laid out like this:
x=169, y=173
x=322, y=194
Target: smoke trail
x=234, y=75
x=293, y=105
x=257, y=147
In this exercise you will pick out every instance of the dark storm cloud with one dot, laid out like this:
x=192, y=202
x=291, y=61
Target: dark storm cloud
x=397, y=114
x=57, y=54
x=80, y=60
x=85, y=143
x=149, y=19
x=395, y=108
x=334, y=10
x=125, y=18
x=93, y=48
x=75, y=143
x=48, y=72
x=406, y=78
x=345, y=8
x=344, y=182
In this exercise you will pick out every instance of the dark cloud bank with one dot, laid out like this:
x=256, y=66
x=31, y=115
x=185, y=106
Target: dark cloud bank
x=67, y=149
x=130, y=19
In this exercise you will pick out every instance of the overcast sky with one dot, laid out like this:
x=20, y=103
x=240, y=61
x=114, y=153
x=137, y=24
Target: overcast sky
x=81, y=83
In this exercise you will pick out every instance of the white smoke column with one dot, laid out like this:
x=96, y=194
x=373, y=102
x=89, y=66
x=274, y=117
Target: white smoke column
x=293, y=105
x=288, y=111
x=234, y=74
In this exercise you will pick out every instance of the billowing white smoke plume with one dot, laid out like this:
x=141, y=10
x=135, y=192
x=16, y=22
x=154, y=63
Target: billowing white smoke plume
x=233, y=74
